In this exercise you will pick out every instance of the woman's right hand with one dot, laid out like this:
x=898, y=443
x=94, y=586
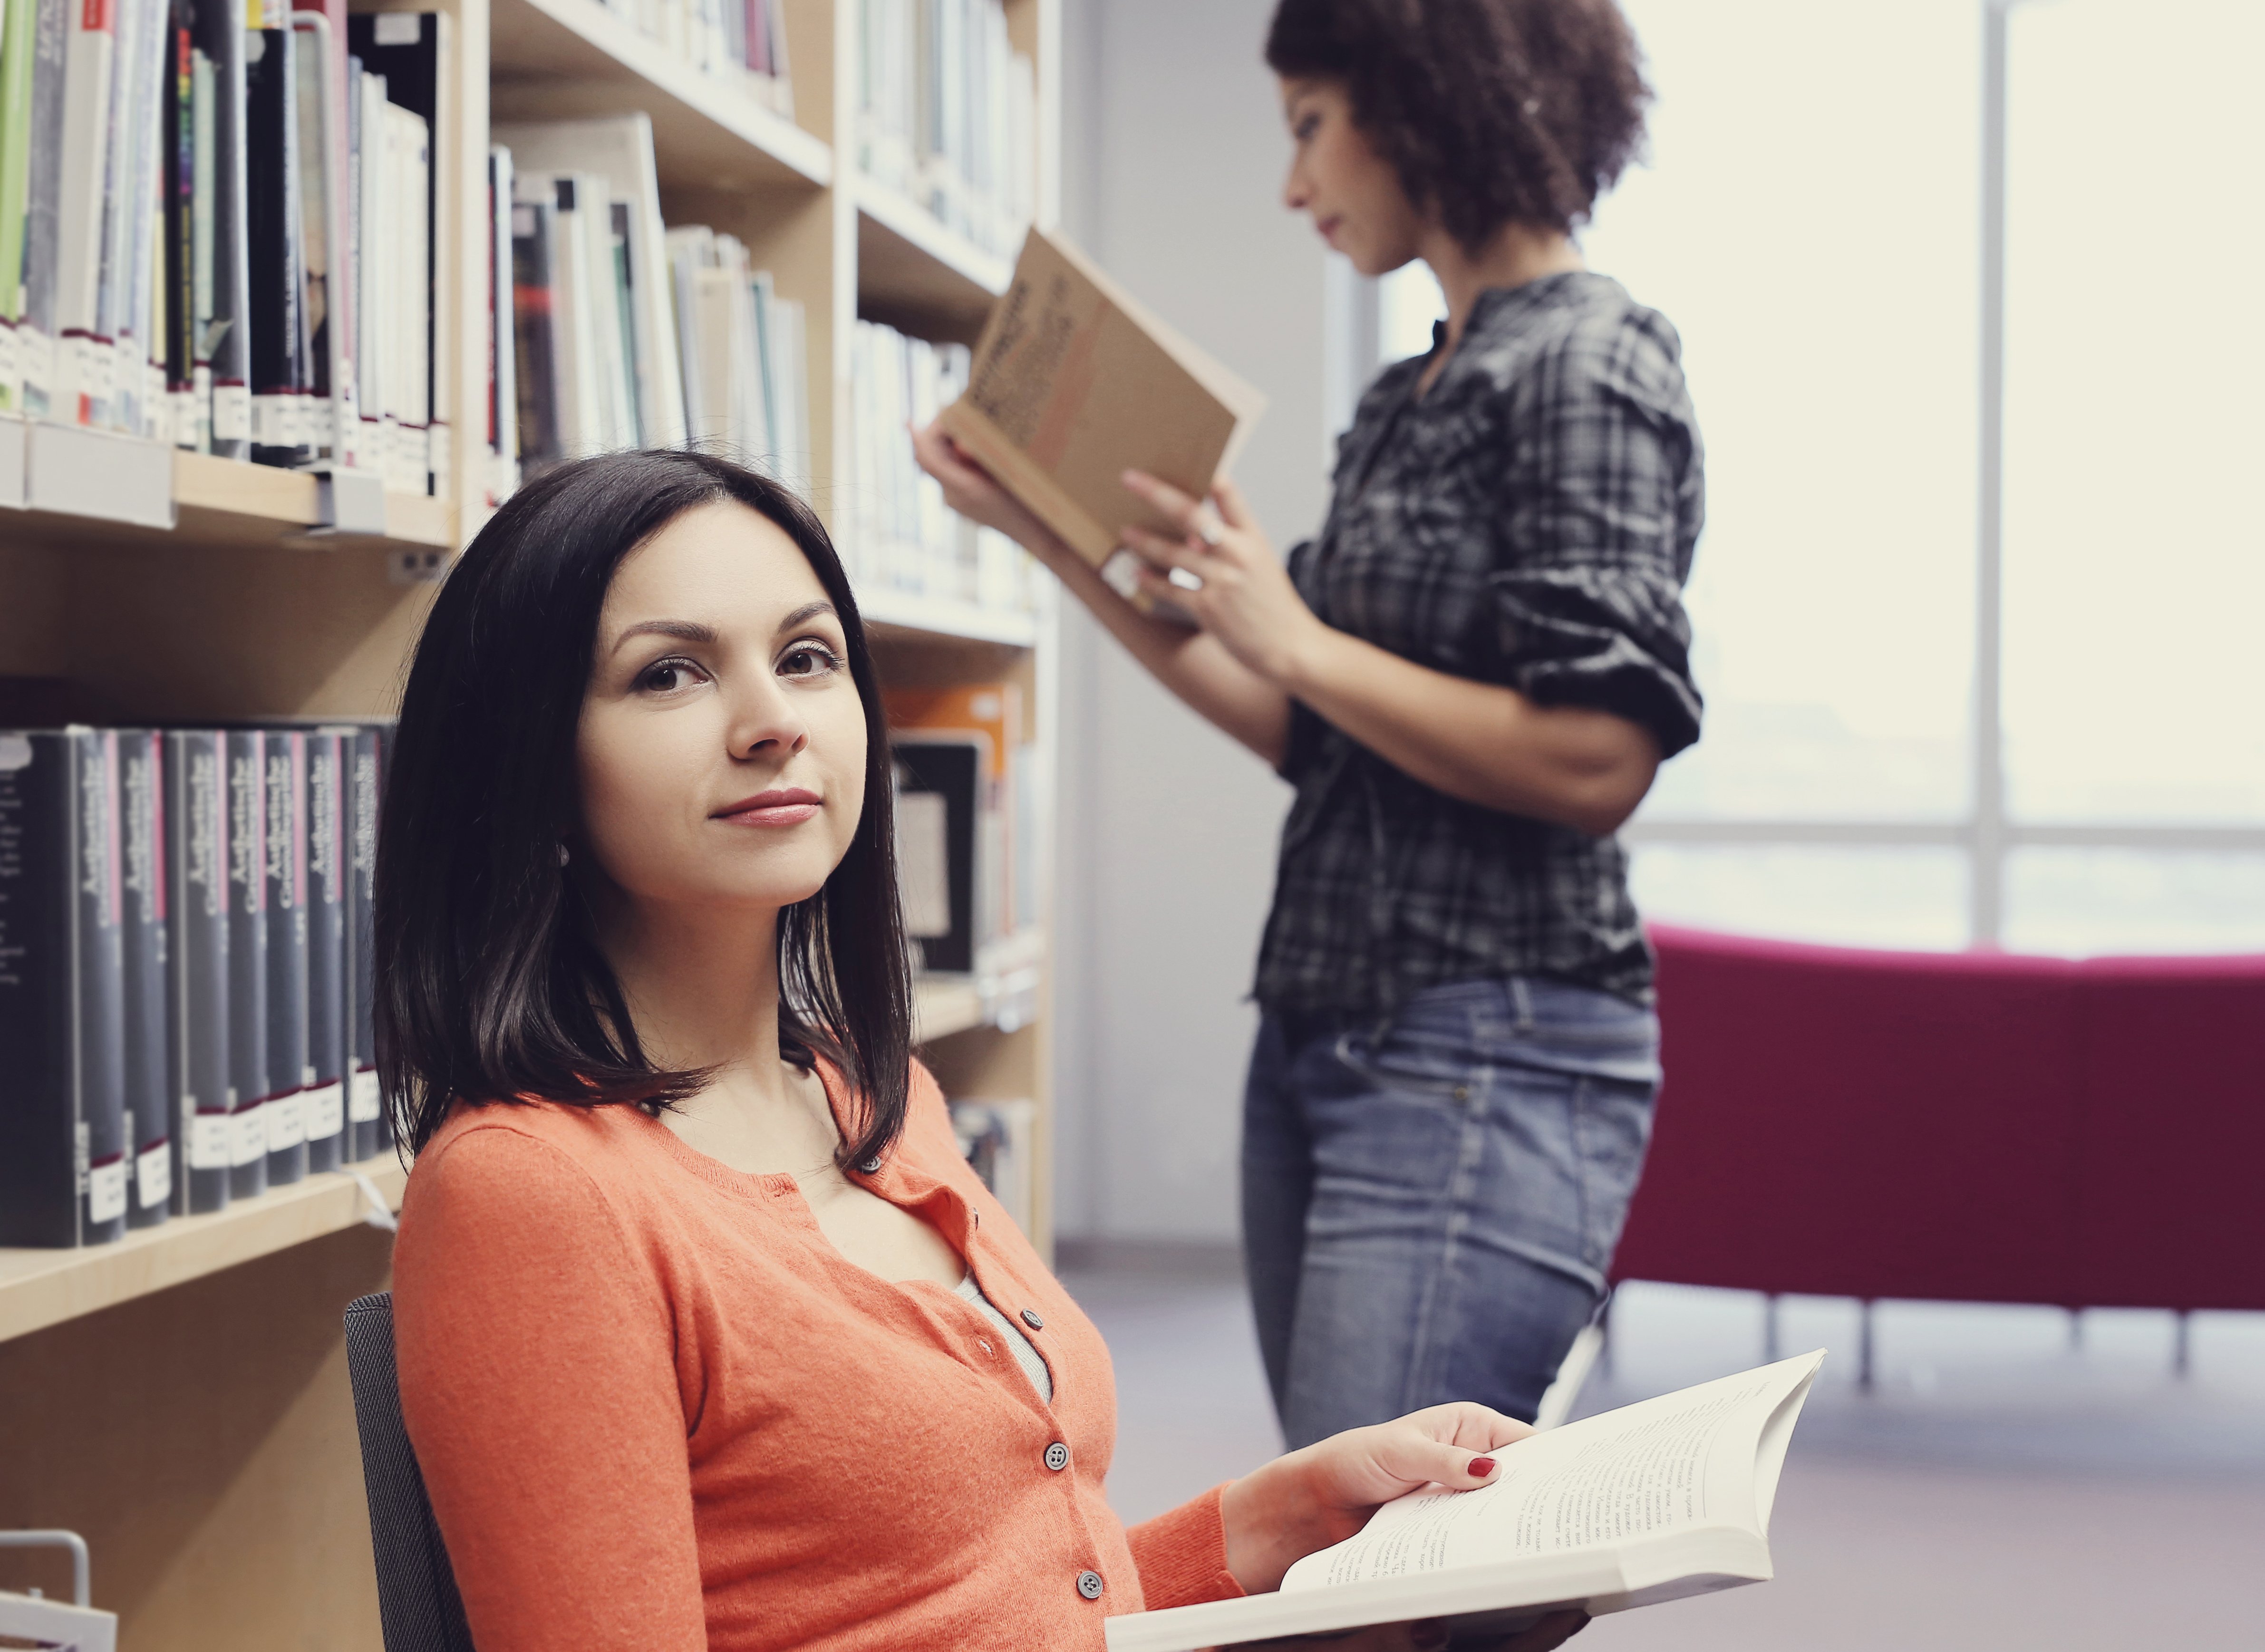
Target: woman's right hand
x=972, y=492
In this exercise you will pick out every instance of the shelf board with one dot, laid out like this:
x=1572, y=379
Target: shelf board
x=942, y=1006
x=229, y=502
x=562, y=59
x=40, y=1288
x=908, y=264
x=926, y=617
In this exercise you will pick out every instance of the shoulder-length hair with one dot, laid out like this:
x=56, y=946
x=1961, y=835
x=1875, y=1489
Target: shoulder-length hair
x=1491, y=112
x=489, y=987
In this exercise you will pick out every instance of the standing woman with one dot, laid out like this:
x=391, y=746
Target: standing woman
x=1471, y=677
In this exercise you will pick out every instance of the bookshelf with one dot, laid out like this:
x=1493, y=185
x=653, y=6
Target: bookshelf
x=179, y=1397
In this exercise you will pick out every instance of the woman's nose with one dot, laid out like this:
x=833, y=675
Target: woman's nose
x=766, y=720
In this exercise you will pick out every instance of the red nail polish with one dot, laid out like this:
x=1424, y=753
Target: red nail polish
x=1480, y=1467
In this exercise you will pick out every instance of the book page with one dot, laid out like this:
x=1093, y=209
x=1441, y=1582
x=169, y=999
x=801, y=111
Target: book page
x=1684, y=1459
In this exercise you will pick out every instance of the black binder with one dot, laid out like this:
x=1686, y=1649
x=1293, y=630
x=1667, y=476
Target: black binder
x=247, y=963
x=197, y=860
x=328, y=959
x=148, y=1094
x=285, y=1107
x=280, y=346
x=62, y=1026
x=365, y=1115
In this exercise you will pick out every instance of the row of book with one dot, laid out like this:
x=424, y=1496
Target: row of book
x=623, y=332
x=968, y=833
x=218, y=229
x=900, y=536
x=947, y=114
x=184, y=970
x=744, y=42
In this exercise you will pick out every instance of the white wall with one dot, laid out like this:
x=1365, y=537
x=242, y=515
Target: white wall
x=1174, y=152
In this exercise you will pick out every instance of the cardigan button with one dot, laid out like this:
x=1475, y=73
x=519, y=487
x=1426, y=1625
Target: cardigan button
x=1089, y=1584
x=1031, y=1318
x=1058, y=1457
x=872, y=1166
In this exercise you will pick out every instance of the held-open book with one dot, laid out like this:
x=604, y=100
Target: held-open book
x=1653, y=1502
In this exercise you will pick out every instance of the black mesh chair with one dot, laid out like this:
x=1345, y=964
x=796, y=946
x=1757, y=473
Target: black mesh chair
x=418, y=1605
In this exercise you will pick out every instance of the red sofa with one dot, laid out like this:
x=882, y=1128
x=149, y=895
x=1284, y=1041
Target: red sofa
x=1965, y=1126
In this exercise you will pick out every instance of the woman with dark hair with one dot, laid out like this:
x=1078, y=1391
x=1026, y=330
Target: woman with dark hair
x=1470, y=677
x=708, y=1337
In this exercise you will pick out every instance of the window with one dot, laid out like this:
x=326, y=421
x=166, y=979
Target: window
x=1924, y=256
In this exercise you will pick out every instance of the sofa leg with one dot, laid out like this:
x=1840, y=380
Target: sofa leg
x=1605, y=1332
x=1864, y=1349
x=2076, y=1330
x=2181, y=1347
x=1770, y=1355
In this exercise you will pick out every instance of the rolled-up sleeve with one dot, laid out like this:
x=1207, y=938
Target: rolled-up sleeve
x=1601, y=513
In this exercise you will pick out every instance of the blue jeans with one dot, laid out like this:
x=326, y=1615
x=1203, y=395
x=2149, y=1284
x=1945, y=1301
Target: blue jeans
x=1430, y=1207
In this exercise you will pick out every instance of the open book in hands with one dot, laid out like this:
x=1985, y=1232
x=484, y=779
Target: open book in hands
x=1665, y=1498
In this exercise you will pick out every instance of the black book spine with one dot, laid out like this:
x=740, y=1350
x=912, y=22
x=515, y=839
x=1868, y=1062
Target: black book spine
x=272, y=228
x=287, y=1072
x=101, y=936
x=177, y=165
x=149, y=1093
x=61, y=1022
x=365, y=1115
x=327, y=956
x=247, y=963
x=197, y=964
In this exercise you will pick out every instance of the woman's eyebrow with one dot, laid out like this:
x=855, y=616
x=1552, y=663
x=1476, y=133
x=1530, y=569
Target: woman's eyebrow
x=685, y=630
x=806, y=612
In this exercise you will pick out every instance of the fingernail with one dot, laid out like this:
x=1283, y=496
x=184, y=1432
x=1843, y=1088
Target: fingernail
x=1479, y=1467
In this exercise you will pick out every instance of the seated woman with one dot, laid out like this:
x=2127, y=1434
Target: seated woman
x=707, y=1335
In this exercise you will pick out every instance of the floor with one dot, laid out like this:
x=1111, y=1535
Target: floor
x=2011, y=1482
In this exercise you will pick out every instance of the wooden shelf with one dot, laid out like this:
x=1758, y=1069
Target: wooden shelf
x=909, y=266
x=40, y=1288
x=559, y=60
x=925, y=617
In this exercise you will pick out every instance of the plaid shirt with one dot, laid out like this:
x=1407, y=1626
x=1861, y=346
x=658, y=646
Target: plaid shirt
x=1529, y=521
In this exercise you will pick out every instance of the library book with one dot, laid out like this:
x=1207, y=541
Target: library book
x=1656, y=1500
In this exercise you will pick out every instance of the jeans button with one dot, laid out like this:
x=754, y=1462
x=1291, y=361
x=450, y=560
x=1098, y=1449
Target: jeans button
x=1089, y=1584
x=1058, y=1457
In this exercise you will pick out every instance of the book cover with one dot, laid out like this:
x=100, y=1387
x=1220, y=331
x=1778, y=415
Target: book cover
x=1074, y=383
x=940, y=825
x=197, y=862
x=62, y=1029
x=177, y=185
x=532, y=322
x=246, y=779
x=285, y=902
x=327, y=950
x=148, y=1004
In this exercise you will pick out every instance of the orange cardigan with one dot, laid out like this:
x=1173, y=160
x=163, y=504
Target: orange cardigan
x=657, y=1409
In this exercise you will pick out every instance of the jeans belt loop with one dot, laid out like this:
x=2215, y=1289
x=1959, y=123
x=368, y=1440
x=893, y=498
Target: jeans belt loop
x=1521, y=1002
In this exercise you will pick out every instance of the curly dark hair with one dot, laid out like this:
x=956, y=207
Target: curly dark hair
x=1492, y=112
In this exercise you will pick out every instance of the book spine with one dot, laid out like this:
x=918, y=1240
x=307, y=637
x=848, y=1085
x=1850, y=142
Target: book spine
x=503, y=326
x=285, y=895
x=226, y=343
x=178, y=183
x=100, y=943
x=327, y=953
x=365, y=1114
x=35, y=332
x=274, y=241
x=81, y=394
x=43, y=1143
x=197, y=966
x=247, y=963
x=18, y=44
x=148, y=1094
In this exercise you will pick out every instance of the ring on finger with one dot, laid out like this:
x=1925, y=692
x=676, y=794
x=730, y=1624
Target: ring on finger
x=1206, y=530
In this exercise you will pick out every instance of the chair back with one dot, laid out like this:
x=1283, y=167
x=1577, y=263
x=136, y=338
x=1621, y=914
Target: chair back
x=418, y=1605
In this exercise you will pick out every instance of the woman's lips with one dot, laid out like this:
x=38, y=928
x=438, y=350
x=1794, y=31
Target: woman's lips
x=786, y=807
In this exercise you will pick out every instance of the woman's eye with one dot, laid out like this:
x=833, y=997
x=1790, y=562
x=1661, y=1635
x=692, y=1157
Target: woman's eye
x=809, y=658
x=666, y=676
